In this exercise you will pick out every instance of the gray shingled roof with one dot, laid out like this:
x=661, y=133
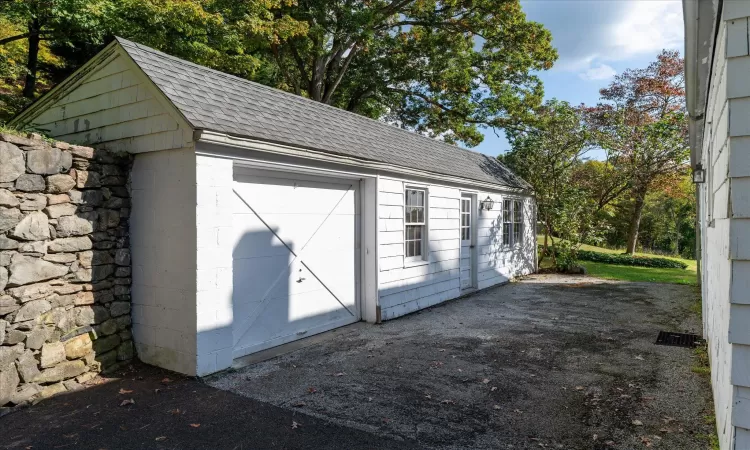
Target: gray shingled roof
x=215, y=101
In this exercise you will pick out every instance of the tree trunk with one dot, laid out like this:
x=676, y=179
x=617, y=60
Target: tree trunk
x=33, y=59
x=635, y=221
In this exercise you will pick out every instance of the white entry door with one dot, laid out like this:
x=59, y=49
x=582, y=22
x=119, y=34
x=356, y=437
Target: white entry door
x=467, y=242
x=296, y=257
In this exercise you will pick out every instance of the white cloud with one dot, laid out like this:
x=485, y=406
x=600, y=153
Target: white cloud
x=590, y=34
x=600, y=72
x=648, y=27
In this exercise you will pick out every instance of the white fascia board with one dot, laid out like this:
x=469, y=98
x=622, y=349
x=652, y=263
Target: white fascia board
x=212, y=137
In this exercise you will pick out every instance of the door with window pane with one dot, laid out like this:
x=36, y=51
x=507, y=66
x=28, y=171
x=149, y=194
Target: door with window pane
x=467, y=241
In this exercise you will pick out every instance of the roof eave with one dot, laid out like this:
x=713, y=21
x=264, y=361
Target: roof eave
x=701, y=25
x=225, y=139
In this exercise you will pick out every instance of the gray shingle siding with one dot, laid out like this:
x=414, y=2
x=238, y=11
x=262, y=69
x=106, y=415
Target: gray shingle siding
x=215, y=101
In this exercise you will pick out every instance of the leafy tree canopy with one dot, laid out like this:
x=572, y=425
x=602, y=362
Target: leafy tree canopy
x=442, y=68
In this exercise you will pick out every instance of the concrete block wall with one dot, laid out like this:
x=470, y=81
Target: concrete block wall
x=163, y=237
x=65, y=270
x=213, y=210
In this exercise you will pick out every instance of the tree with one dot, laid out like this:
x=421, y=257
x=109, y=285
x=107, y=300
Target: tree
x=47, y=20
x=443, y=69
x=642, y=121
x=227, y=35
x=546, y=156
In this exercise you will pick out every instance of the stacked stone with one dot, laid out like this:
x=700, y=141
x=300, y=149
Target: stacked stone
x=64, y=266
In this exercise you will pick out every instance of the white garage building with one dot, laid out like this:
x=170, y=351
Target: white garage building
x=260, y=217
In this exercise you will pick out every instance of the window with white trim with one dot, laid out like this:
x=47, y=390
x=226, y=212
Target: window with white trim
x=414, y=223
x=517, y=222
x=466, y=219
x=507, y=222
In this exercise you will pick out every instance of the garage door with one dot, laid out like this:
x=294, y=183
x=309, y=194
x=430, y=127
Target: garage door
x=296, y=257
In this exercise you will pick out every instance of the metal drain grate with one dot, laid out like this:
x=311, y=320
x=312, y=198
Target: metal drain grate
x=677, y=339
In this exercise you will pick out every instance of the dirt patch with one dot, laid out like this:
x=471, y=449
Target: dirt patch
x=549, y=362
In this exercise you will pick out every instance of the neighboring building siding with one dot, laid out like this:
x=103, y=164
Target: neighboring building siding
x=725, y=223
x=117, y=108
x=405, y=288
x=163, y=246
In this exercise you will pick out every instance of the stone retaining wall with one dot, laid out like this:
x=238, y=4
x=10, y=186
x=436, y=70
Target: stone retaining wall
x=64, y=266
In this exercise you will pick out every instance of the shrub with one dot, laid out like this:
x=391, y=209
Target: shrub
x=628, y=260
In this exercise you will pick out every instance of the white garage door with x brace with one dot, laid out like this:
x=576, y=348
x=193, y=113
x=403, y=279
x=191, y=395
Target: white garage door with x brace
x=296, y=257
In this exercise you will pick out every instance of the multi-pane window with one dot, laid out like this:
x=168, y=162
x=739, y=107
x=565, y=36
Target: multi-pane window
x=507, y=221
x=414, y=221
x=466, y=219
x=517, y=222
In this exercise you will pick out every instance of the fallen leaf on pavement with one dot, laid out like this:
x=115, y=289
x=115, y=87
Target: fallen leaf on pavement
x=311, y=390
x=494, y=388
x=340, y=374
x=175, y=411
x=428, y=396
x=166, y=380
x=485, y=380
x=369, y=399
x=518, y=411
x=129, y=401
x=295, y=425
x=639, y=358
x=497, y=407
x=637, y=423
x=161, y=438
x=579, y=388
x=195, y=425
x=125, y=391
x=595, y=437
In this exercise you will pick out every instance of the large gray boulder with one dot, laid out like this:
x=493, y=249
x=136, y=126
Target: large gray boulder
x=29, y=182
x=71, y=244
x=26, y=270
x=60, y=209
x=8, y=383
x=7, y=198
x=3, y=279
x=75, y=225
x=32, y=310
x=48, y=161
x=62, y=371
x=33, y=227
x=9, y=218
x=7, y=244
x=60, y=183
x=11, y=163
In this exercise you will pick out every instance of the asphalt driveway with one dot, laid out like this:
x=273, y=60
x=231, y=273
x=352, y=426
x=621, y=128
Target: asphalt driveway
x=548, y=362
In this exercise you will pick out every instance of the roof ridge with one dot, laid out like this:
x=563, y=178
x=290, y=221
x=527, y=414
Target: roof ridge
x=290, y=95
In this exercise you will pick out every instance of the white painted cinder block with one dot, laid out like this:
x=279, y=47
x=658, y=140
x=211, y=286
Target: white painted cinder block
x=163, y=240
x=213, y=218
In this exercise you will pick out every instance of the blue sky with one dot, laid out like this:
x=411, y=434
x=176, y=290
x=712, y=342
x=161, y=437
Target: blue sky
x=597, y=39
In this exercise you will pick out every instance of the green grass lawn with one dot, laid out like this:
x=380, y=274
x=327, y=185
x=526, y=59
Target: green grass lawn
x=632, y=273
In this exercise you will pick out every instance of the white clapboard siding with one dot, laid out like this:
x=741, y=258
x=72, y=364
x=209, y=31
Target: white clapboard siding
x=407, y=287
x=115, y=107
